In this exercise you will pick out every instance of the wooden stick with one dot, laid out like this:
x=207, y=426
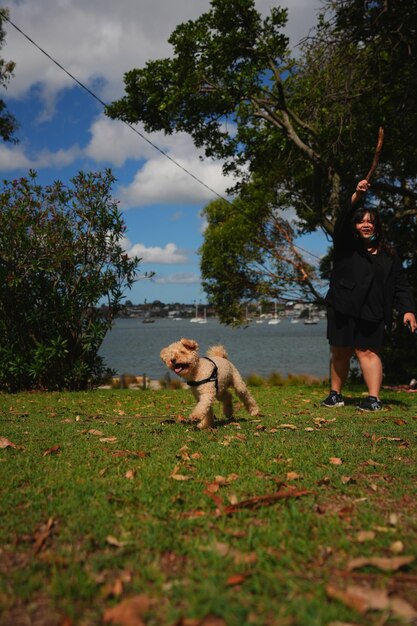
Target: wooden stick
x=377, y=153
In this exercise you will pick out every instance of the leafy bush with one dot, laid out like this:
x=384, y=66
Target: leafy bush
x=62, y=276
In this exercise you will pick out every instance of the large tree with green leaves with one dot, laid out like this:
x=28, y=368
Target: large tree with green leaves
x=63, y=274
x=8, y=123
x=298, y=131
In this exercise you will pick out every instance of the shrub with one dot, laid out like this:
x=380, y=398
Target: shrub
x=62, y=274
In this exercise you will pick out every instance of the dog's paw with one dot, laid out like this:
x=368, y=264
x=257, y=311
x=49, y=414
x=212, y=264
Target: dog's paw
x=205, y=423
x=255, y=412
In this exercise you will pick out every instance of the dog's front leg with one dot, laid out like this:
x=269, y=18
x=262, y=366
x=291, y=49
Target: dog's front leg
x=203, y=411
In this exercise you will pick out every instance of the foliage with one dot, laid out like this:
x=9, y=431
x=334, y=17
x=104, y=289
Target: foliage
x=60, y=259
x=248, y=253
x=110, y=497
x=8, y=123
x=303, y=129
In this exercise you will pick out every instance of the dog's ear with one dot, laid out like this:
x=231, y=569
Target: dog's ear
x=190, y=344
x=164, y=354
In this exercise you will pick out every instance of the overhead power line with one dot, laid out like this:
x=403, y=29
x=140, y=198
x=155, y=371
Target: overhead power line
x=93, y=95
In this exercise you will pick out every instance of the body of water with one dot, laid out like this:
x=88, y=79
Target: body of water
x=132, y=347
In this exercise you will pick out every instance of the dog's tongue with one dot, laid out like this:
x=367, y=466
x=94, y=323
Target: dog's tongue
x=178, y=369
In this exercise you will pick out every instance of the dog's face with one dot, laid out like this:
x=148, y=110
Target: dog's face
x=181, y=357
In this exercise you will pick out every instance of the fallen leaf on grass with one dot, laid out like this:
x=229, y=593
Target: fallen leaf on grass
x=387, y=564
x=121, y=453
x=114, y=588
x=129, y=612
x=359, y=598
x=222, y=480
x=112, y=541
x=236, y=579
x=5, y=443
x=293, y=476
x=364, y=599
x=42, y=534
x=365, y=535
x=176, y=476
x=130, y=474
x=52, y=450
x=334, y=460
x=290, y=426
x=397, y=547
x=108, y=439
x=266, y=500
x=93, y=431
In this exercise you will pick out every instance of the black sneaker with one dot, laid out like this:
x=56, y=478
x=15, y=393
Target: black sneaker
x=333, y=400
x=371, y=403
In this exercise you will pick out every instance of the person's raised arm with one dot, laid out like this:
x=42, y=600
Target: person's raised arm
x=361, y=188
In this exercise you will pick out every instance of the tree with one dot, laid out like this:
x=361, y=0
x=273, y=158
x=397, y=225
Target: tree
x=302, y=129
x=8, y=123
x=60, y=258
x=248, y=253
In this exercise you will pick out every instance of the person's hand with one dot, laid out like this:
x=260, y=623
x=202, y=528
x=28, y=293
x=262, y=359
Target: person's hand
x=362, y=186
x=410, y=321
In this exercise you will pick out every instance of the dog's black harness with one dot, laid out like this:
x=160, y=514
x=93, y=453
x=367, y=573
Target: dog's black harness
x=213, y=378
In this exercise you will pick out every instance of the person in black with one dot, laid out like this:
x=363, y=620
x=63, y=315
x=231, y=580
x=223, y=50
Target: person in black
x=366, y=284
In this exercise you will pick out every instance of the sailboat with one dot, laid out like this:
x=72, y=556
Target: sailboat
x=203, y=320
x=311, y=319
x=260, y=320
x=196, y=318
x=275, y=319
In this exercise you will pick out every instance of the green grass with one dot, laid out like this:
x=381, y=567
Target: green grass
x=89, y=520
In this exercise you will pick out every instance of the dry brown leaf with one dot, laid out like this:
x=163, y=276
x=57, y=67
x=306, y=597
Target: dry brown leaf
x=364, y=599
x=130, y=474
x=293, y=476
x=347, y=597
x=397, y=547
x=387, y=564
x=266, y=500
x=334, y=460
x=176, y=476
x=393, y=519
x=6, y=443
x=180, y=477
x=290, y=426
x=403, y=609
x=129, y=612
x=365, y=535
x=108, y=439
x=236, y=579
x=52, y=450
x=112, y=541
x=42, y=534
x=93, y=431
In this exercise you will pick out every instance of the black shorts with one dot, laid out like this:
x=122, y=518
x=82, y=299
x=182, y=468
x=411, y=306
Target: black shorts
x=346, y=331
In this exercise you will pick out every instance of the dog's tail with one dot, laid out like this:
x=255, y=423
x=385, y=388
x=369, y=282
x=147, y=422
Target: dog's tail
x=217, y=351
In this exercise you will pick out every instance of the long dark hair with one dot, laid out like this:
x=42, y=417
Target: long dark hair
x=380, y=241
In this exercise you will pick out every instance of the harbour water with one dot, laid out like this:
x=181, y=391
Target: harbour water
x=132, y=347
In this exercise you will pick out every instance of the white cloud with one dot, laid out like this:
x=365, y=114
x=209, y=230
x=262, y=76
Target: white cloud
x=168, y=255
x=114, y=142
x=102, y=39
x=12, y=157
x=160, y=181
x=185, y=278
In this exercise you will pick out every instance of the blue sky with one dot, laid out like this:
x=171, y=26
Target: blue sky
x=63, y=129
